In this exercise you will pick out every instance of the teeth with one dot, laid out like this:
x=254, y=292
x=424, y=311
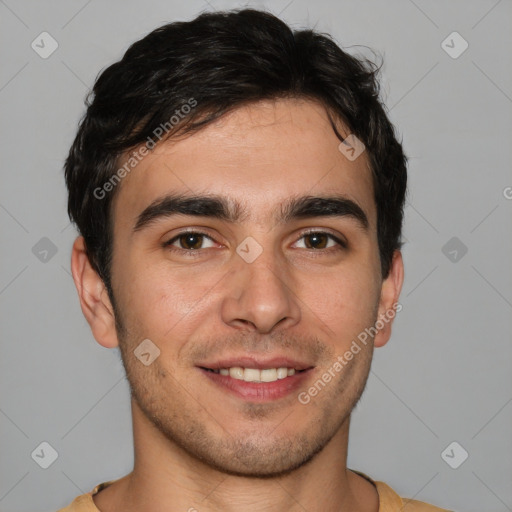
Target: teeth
x=236, y=373
x=269, y=375
x=282, y=373
x=252, y=375
x=255, y=375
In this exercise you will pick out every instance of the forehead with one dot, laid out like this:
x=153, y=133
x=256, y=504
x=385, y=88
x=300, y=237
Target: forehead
x=258, y=155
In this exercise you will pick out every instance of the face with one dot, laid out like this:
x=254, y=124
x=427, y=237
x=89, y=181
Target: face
x=248, y=284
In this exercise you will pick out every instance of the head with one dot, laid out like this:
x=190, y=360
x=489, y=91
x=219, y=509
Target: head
x=228, y=128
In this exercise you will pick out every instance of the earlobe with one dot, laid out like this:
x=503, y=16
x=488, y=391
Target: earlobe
x=94, y=300
x=389, y=304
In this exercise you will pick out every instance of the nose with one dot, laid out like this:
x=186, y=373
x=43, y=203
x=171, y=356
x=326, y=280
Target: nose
x=261, y=295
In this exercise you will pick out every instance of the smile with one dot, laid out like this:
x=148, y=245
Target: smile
x=258, y=384
x=255, y=374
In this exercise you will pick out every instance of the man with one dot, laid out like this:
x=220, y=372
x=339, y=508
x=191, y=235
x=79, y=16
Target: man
x=239, y=193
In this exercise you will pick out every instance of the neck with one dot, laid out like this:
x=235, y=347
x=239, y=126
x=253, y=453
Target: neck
x=164, y=474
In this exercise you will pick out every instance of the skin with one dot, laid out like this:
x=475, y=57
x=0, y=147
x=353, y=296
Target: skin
x=196, y=446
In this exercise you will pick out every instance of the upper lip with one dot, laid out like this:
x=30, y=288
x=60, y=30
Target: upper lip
x=259, y=363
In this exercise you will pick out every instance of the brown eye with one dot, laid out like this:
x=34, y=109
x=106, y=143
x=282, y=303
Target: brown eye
x=321, y=240
x=316, y=240
x=189, y=241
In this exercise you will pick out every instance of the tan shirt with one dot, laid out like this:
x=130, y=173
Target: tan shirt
x=389, y=501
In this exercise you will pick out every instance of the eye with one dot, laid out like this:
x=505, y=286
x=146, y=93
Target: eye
x=321, y=240
x=192, y=241
x=189, y=241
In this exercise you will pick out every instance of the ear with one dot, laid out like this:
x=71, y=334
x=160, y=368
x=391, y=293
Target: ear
x=388, y=304
x=93, y=295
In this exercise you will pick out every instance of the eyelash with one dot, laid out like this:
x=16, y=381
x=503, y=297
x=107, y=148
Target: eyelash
x=195, y=252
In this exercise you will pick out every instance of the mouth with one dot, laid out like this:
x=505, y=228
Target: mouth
x=257, y=381
x=255, y=374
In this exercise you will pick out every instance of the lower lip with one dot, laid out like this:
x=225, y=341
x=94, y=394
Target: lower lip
x=259, y=391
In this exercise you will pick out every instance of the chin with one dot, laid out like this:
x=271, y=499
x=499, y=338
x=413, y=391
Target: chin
x=263, y=468
x=257, y=458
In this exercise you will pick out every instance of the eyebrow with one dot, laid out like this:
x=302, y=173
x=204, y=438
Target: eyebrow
x=227, y=209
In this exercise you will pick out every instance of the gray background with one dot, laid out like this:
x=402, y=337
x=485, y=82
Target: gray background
x=444, y=376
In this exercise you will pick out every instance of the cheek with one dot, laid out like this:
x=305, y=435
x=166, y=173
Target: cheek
x=165, y=301
x=345, y=302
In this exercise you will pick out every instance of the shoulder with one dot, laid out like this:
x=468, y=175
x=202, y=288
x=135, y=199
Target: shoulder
x=390, y=501
x=84, y=502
